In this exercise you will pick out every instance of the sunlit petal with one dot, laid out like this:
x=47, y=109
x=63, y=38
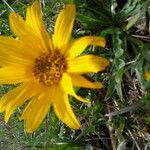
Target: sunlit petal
x=64, y=111
x=14, y=74
x=87, y=64
x=16, y=98
x=80, y=81
x=25, y=34
x=63, y=27
x=10, y=46
x=79, y=45
x=66, y=85
x=13, y=52
x=34, y=20
x=36, y=110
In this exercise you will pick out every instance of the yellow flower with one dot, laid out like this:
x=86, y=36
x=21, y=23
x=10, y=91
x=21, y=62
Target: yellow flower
x=147, y=75
x=47, y=67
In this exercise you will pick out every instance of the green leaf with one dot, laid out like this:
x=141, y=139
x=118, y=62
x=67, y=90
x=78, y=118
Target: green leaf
x=146, y=51
x=110, y=87
x=147, y=119
x=147, y=99
x=68, y=1
x=132, y=21
x=68, y=146
x=137, y=12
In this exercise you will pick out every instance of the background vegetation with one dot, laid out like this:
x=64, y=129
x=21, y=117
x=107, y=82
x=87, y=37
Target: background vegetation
x=118, y=117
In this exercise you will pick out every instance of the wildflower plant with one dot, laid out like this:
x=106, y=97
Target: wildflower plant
x=58, y=52
x=46, y=66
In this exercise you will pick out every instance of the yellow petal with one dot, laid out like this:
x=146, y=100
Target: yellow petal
x=14, y=74
x=147, y=75
x=12, y=52
x=64, y=111
x=25, y=34
x=34, y=20
x=36, y=110
x=80, y=81
x=67, y=87
x=5, y=100
x=15, y=47
x=63, y=27
x=87, y=64
x=6, y=60
x=79, y=45
x=16, y=98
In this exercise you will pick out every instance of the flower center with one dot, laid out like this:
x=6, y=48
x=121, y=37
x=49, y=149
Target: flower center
x=48, y=69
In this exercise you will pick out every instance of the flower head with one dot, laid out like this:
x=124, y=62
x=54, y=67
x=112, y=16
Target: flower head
x=48, y=67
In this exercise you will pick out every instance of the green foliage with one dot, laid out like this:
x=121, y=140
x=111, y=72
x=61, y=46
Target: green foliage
x=124, y=80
